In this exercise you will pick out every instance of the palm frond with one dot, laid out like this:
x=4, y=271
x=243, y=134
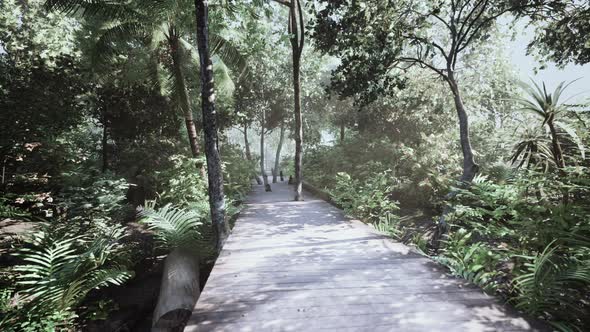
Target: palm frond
x=533, y=149
x=228, y=54
x=225, y=85
x=117, y=32
x=112, y=9
x=224, y=82
x=573, y=135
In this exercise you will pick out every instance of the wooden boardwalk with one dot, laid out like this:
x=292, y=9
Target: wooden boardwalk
x=303, y=266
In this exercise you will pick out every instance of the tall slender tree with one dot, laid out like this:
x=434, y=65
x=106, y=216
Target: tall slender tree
x=278, y=153
x=296, y=29
x=262, y=146
x=214, y=171
x=176, y=51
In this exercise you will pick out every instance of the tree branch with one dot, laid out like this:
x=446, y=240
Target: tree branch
x=466, y=21
x=425, y=41
x=463, y=33
x=479, y=27
x=283, y=2
x=425, y=64
x=301, y=27
x=433, y=15
x=486, y=21
x=460, y=14
x=441, y=19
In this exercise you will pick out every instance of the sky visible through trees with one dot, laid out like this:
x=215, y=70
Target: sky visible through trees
x=527, y=66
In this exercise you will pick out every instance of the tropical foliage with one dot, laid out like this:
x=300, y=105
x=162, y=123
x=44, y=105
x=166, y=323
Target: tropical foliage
x=124, y=133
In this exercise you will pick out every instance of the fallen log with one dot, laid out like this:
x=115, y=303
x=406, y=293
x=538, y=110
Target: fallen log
x=179, y=291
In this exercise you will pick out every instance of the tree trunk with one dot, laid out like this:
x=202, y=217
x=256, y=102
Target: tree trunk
x=182, y=92
x=105, y=141
x=249, y=154
x=262, y=172
x=342, y=128
x=557, y=151
x=470, y=168
x=215, y=175
x=558, y=156
x=278, y=155
x=247, y=144
x=297, y=33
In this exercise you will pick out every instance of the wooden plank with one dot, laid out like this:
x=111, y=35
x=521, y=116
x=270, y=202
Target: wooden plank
x=303, y=266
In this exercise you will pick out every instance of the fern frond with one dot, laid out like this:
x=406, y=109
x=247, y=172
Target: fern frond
x=174, y=227
x=549, y=281
x=9, y=211
x=59, y=272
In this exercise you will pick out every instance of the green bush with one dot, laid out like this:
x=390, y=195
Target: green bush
x=78, y=249
x=89, y=197
x=368, y=200
x=237, y=172
x=174, y=227
x=182, y=184
x=421, y=178
x=473, y=261
x=549, y=284
x=527, y=237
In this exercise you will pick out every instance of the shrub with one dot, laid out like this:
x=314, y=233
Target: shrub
x=549, y=284
x=473, y=261
x=521, y=232
x=420, y=174
x=237, y=172
x=174, y=227
x=89, y=197
x=182, y=184
x=368, y=201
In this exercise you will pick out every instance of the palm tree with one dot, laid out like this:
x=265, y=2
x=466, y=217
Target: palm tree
x=169, y=21
x=534, y=149
x=548, y=107
x=153, y=25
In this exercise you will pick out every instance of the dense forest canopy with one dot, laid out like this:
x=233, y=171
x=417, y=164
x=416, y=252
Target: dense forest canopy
x=131, y=133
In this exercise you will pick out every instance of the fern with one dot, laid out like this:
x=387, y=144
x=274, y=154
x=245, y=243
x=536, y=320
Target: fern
x=474, y=262
x=59, y=272
x=550, y=285
x=174, y=227
x=9, y=211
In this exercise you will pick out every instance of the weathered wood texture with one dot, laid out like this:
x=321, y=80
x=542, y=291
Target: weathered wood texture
x=179, y=290
x=303, y=266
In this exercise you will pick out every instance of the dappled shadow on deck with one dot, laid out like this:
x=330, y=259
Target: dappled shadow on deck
x=303, y=266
